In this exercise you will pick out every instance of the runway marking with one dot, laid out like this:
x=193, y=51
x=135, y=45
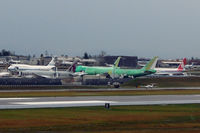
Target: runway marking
x=62, y=102
x=16, y=98
x=158, y=102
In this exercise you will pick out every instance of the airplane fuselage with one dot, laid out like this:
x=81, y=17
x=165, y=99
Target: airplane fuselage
x=24, y=67
x=48, y=74
x=111, y=70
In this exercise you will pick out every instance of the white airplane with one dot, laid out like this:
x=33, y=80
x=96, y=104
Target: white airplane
x=69, y=63
x=24, y=67
x=47, y=74
x=1, y=62
x=172, y=71
x=5, y=74
x=149, y=86
x=189, y=66
x=51, y=73
x=192, y=66
x=14, y=61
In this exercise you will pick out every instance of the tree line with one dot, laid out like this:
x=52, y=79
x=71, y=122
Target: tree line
x=4, y=52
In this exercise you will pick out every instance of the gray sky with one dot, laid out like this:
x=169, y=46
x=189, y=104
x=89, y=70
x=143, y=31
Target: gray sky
x=146, y=28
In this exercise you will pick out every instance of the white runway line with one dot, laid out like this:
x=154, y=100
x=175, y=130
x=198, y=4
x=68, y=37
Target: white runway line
x=62, y=102
x=85, y=103
x=158, y=102
x=16, y=98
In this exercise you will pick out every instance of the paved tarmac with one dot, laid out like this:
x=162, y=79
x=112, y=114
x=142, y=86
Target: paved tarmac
x=50, y=102
x=98, y=89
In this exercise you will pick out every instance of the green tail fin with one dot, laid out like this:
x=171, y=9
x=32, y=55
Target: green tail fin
x=151, y=64
x=116, y=64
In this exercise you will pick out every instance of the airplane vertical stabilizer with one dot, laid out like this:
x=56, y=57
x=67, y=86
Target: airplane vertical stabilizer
x=181, y=67
x=116, y=64
x=72, y=68
x=52, y=62
x=151, y=64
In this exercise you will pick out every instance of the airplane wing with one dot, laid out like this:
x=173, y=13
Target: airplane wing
x=79, y=74
x=41, y=76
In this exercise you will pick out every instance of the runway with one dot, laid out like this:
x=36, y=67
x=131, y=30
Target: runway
x=51, y=102
x=98, y=89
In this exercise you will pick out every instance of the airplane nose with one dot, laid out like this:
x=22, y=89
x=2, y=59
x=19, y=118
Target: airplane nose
x=11, y=68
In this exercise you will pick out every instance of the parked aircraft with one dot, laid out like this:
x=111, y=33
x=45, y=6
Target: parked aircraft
x=189, y=66
x=95, y=70
x=24, y=67
x=47, y=74
x=116, y=71
x=192, y=66
x=172, y=71
x=152, y=85
x=14, y=61
x=2, y=62
x=5, y=74
x=51, y=73
x=69, y=63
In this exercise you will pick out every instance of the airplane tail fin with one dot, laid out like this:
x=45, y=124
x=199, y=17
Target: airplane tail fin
x=182, y=65
x=72, y=68
x=52, y=62
x=184, y=61
x=151, y=64
x=116, y=64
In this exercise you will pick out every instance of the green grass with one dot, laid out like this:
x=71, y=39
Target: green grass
x=166, y=82
x=120, y=119
x=49, y=87
x=98, y=93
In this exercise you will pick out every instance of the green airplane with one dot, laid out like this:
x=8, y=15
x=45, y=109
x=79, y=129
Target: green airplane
x=116, y=71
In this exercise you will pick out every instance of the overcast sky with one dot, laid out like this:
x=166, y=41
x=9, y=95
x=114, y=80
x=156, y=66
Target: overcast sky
x=145, y=28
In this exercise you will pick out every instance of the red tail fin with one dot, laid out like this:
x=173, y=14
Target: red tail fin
x=180, y=68
x=184, y=61
x=182, y=65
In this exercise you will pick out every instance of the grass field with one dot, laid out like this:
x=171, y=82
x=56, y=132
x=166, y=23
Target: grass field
x=98, y=93
x=166, y=82
x=118, y=119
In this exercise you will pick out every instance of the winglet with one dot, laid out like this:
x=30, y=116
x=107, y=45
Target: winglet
x=151, y=64
x=116, y=64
